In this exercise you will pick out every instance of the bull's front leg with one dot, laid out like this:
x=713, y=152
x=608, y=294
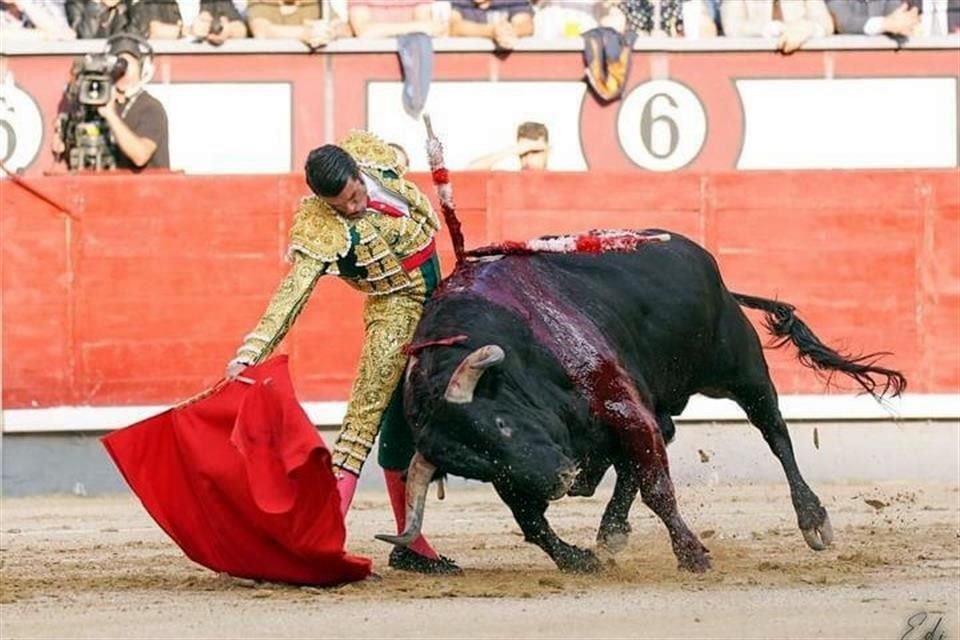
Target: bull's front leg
x=529, y=513
x=614, y=398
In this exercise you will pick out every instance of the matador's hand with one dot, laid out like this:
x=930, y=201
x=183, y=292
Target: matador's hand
x=234, y=368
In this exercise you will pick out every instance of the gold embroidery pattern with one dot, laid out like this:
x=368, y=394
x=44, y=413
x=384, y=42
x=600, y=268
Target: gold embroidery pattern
x=404, y=236
x=372, y=247
x=284, y=307
x=389, y=323
x=370, y=151
x=319, y=232
x=420, y=209
x=388, y=284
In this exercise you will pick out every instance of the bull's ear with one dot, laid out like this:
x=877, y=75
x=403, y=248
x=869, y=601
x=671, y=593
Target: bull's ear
x=464, y=380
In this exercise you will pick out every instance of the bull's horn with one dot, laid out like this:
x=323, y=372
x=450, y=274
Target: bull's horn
x=419, y=475
x=464, y=379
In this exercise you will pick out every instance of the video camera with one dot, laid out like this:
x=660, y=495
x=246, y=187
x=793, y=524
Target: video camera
x=84, y=132
x=86, y=137
x=96, y=76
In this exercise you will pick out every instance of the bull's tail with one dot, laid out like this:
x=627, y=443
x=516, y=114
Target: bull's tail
x=782, y=321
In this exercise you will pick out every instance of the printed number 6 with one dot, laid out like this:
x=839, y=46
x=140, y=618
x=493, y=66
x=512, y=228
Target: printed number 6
x=647, y=120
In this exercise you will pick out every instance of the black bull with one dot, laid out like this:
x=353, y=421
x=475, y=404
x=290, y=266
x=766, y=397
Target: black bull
x=538, y=372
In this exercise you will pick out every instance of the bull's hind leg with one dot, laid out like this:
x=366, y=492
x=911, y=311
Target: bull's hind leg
x=739, y=371
x=615, y=400
x=759, y=401
x=529, y=513
x=667, y=429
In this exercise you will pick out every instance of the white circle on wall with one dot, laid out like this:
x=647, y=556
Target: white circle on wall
x=662, y=125
x=21, y=127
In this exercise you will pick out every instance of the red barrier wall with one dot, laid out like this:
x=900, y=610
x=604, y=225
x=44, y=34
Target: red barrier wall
x=145, y=297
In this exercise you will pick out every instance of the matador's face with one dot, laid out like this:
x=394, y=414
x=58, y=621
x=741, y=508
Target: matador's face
x=352, y=201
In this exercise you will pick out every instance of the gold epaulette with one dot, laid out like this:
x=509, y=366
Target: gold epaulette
x=370, y=151
x=319, y=232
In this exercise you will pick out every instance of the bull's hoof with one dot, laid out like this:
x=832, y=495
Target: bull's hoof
x=404, y=559
x=691, y=554
x=694, y=561
x=613, y=543
x=577, y=560
x=819, y=537
x=614, y=538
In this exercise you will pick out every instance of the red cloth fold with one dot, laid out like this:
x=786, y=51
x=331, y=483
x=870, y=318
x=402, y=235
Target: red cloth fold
x=242, y=482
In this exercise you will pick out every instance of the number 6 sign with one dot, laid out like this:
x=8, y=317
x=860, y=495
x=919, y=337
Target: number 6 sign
x=662, y=125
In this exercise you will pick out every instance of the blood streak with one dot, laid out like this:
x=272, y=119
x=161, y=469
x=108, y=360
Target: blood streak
x=529, y=290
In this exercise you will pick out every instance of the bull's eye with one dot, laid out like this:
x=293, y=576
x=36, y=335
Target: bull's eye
x=504, y=430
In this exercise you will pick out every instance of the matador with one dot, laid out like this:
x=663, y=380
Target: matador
x=375, y=230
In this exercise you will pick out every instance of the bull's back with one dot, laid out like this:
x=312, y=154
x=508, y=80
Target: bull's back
x=661, y=278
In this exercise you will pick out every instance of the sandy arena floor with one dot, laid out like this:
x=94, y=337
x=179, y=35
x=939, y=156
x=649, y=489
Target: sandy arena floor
x=99, y=568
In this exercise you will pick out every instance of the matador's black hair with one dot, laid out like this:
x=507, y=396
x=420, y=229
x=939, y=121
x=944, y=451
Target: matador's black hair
x=328, y=169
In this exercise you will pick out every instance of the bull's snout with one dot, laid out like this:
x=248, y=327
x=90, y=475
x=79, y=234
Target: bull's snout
x=565, y=480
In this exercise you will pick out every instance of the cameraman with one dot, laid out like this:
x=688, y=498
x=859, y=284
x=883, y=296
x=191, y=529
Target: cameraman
x=137, y=119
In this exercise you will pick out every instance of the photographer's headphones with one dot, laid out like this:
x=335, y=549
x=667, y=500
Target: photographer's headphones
x=143, y=49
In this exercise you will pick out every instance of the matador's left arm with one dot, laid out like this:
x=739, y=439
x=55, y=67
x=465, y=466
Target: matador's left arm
x=283, y=309
x=318, y=239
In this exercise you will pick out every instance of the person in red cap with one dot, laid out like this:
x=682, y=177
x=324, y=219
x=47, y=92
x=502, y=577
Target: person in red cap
x=375, y=230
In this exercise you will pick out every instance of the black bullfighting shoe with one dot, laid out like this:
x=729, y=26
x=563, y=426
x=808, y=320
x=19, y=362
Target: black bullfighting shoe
x=406, y=560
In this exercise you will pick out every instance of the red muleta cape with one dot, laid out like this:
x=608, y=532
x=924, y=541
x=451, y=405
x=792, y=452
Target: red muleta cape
x=242, y=482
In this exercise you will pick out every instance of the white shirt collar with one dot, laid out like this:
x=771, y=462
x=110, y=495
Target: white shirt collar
x=375, y=191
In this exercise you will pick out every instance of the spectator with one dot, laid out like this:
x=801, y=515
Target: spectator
x=102, y=18
x=503, y=21
x=555, y=19
x=388, y=18
x=791, y=22
x=160, y=19
x=34, y=20
x=666, y=17
x=294, y=19
x=532, y=150
x=875, y=17
x=136, y=119
x=939, y=17
x=217, y=22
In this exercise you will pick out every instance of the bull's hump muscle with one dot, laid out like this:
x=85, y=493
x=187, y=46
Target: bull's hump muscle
x=528, y=287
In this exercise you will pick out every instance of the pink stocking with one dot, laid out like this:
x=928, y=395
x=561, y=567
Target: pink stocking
x=346, y=487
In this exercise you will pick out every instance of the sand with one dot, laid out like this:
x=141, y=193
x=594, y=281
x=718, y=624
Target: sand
x=98, y=567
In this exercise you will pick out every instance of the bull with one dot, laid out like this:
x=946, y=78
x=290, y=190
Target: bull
x=538, y=371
